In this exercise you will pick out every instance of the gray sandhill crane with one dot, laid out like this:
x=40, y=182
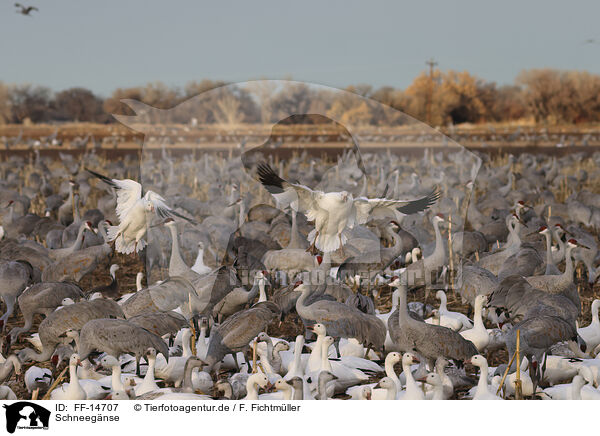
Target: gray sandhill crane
x=556, y=284
x=79, y=263
x=160, y=323
x=234, y=335
x=515, y=295
x=15, y=276
x=239, y=298
x=526, y=262
x=112, y=289
x=425, y=270
x=59, y=253
x=537, y=335
x=429, y=340
x=52, y=329
x=341, y=320
x=43, y=298
x=474, y=280
x=493, y=262
x=118, y=336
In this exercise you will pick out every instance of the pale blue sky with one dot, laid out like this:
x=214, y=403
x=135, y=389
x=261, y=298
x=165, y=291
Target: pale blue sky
x=106, y=44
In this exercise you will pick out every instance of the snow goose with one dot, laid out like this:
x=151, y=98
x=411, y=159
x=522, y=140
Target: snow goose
x=255, y=381
x=433, y=379
x=478, y=334
x=591, y=333
x=334, y=213
x=412, y=390
x=567, y=391
x=453, y=320
x=199, y=266
x=71, y=390
x=149, y=383
x=388, y=386
x=37, y=378
x=483, y=391
x=134, y=209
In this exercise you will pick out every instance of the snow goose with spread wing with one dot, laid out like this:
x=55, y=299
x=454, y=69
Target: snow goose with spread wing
x=335, y=212
x=134, y=209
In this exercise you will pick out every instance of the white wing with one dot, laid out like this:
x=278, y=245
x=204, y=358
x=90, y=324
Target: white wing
x=161, y=208
x=128, y=193
x=366, y=206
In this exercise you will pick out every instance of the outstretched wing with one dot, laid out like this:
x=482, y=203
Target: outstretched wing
x=161, y=208
x=300, y=197
x=367, y=206
x=128, y=192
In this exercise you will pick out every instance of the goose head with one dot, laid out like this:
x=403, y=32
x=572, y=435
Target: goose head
x=319, y=329
x=432, y=379
x=109, y=361
x=74, y=360
x=393, y=357
x=386, y=383
x=477, y=360
x=409, y=359
x=282, y=385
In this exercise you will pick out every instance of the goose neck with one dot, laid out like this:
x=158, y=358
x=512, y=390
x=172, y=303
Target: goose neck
x=325, y=363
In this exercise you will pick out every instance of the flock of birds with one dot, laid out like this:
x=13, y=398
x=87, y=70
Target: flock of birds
x=305, y=279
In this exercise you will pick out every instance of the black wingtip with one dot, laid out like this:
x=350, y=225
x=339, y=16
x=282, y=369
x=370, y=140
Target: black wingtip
x=269, y=178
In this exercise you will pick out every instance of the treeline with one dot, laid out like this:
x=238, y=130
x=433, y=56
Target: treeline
x=439, y=98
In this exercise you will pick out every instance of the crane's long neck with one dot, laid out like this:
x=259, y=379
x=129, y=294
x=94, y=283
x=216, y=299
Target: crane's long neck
x=176, y=259
x=294, y=237
x=79, y=240
x=568, y=274
x=561, y=246
x=549, y=260
x=402, y=305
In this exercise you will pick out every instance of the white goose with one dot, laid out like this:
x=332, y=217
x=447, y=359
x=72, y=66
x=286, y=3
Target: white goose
x=149, y=383
x=71, y=390
x=412, y=390
x=334, y=213
x=199, y=266
x=591, y=333
x=483, y=391
x=453, y=320
x=478, y=334
x=135, y=211
x=255, y=381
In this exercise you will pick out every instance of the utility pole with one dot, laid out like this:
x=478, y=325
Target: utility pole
x=431, y=63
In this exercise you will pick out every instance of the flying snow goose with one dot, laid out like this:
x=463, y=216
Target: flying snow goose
x=133, y=209
x=335, y=212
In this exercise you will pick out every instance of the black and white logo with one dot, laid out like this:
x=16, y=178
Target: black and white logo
x=26, y=415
